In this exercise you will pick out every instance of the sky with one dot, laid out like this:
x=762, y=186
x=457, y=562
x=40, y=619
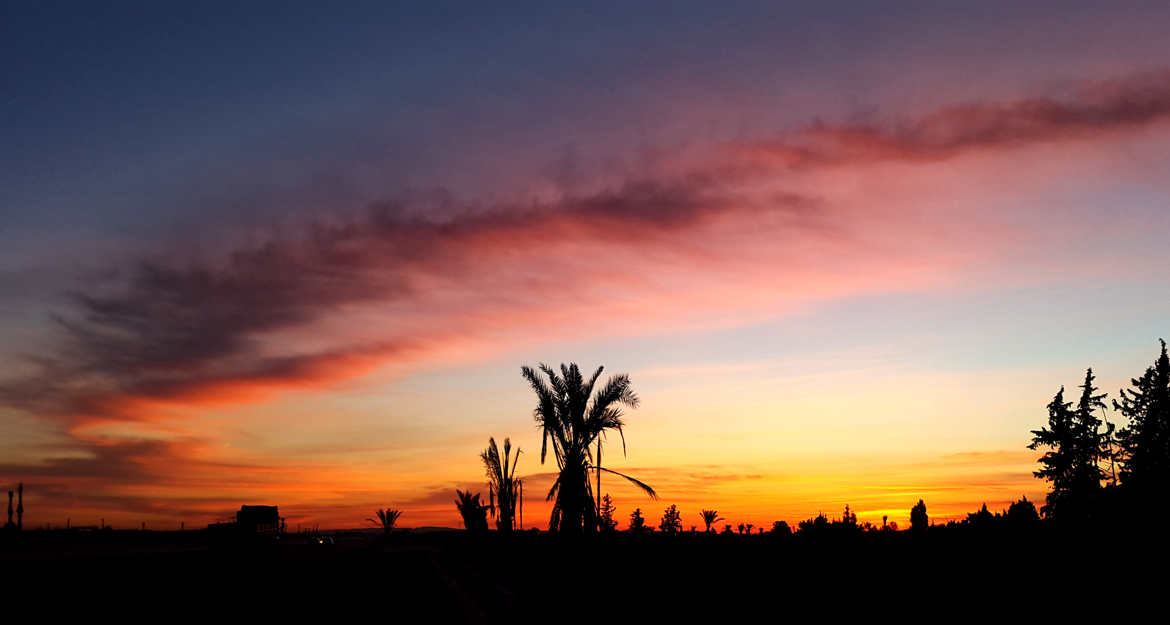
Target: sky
x=296, y=254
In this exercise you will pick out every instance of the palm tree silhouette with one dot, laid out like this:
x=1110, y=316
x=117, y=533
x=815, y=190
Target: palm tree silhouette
x=473, y=512
x=710, y=517
x=503, y=487
x=386, y=518
x=573, y=422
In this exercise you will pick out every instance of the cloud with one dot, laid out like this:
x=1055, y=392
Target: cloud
x=237, y=327
x=1096, y=108
x=205, y=332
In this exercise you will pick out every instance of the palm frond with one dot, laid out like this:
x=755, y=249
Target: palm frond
x=640, y=484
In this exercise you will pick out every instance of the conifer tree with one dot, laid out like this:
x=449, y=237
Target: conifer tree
x=608, y=523
x=637, y=521
x=1091, y=448
x=1058, y=462
x=1076, y=447
x=1145, y=442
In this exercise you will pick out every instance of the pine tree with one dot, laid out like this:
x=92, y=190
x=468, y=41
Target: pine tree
x=1091, y=448
x=637, y=521
x=608, y=523
x=1077, y=446
x=1059, y=461
x=1145, y=442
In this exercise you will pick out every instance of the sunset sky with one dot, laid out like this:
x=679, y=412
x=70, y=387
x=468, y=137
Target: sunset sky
x=296, y=254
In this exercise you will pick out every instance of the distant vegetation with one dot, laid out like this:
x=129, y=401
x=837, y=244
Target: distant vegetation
x=386, y=519
x=1099, y=474
x=1097, y=471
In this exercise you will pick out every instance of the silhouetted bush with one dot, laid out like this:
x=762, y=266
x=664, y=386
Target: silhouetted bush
x=919, y=521
x=671, y=522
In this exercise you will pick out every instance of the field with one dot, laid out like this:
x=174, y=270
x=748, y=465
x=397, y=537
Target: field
x=451, y=576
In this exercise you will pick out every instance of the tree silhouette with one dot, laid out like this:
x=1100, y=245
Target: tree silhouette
x=1092, y=448
x=503, y=487
x=1076, y=449
x=849, y=519
x=608, y=523
x=386, y=519
x=918, y=519
x=1145, y=441
x=780, y=528
x=710, y=517
x=671, y=522
x=815, y=525
x=1022, y=512
x=982, y=518
x=473, y=512
x=637, y=521
x=572, y=421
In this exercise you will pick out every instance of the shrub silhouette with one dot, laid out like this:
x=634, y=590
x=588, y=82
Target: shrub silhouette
x=386, y=519
x=473, y=512
x=918, y=519
x=1022, y=513
x=504, y=489
x=671, y=522
x=710, y=517
x=637, y=522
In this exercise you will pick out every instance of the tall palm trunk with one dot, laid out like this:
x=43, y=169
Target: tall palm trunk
x=572, y=498
x=599, y=483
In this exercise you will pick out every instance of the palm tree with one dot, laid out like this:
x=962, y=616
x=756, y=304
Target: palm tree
x=386, y=518
x=573, y=422
x=710, y=517
x=502, y=483
x=473, y=512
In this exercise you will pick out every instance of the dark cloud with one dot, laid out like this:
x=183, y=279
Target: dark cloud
x=1096, y=108
x=172, y=330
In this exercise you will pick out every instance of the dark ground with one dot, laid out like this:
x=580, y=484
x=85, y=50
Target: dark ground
x=453, y=577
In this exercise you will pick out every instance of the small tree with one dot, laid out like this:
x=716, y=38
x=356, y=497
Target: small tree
x=1022, y=512
x=849, y=518
x=780, y=528
x=918, y=519
x=815, y=525
x=503, y=487
x=710, y=517
x=981, y=518
x=473, y=512
x=386, y=519
x=637, y=522
x=671, y=522
x=608, y=523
